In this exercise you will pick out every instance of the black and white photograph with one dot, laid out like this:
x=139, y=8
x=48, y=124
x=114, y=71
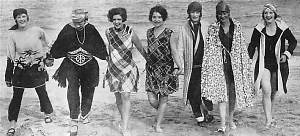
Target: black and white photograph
x=149, y=68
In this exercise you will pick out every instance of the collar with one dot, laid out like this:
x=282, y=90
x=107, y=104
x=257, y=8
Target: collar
x=279, y=22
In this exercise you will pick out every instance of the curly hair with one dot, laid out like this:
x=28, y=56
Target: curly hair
x=117, y=11
x=161, y=10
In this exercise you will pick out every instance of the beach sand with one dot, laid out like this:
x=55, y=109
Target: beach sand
x=178, y=119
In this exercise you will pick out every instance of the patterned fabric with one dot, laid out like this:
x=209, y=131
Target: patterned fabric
x=27, y=50
x=213, y=82
x=83, y=63
x=122, y=73
x=160, y=64
x=29, y=70
x=80, y=56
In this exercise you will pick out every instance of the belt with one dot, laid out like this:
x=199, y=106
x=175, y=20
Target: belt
x=79, y=56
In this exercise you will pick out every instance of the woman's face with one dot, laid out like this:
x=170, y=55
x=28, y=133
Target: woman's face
x=195, y=16
x=117, y=21
x=79, y=25
x=223, y=16
x=22, y=20
x=157, y=19
x=269, y=16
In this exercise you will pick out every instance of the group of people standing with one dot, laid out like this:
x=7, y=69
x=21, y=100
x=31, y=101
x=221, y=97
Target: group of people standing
x=214, y=59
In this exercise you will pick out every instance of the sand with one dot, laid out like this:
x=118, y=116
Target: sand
x=178, y=119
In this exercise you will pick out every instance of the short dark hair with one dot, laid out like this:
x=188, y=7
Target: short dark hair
x=161, y=10
x=194, y=6
x=117, y=11
x=20, y=11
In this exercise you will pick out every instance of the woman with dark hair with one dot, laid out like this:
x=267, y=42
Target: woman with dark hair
x=161, y=76
x=79, y=43
x=26, y=57
x=271, y=65
x=226, y=63
x=192, y=35
x=122, y=73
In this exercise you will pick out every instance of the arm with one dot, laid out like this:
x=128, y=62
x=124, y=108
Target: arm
x=136, y=41
x=10, y=64
x=255, y=41
x=45, y=41
x=292, y=42
x=49, y=61
x=175, y=51
x=9, y=72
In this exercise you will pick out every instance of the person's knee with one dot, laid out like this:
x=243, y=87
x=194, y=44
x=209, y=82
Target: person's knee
x=163, y=99
x=125, y=96
x=267, y=93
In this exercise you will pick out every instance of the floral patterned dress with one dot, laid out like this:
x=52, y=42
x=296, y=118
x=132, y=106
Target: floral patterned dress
x=213, y=81
x=160, y=64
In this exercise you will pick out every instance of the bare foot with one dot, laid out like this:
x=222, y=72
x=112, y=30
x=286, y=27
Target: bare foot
x=125, y=133
x=158, y=129
x=232, y=125
x=270, y=124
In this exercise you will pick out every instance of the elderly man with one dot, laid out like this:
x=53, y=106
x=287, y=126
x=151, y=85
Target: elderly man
x=79, y=42
x=192, y=38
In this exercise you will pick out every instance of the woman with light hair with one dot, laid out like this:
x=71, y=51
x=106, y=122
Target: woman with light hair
x=271, y=66
x=78, y=43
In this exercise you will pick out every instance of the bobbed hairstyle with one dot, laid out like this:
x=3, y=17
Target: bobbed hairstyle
x=117, y=11
x=161, y=10
x=17, y=12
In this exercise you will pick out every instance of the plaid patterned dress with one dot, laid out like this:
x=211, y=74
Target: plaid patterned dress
x=122, y=73
x=160, y=65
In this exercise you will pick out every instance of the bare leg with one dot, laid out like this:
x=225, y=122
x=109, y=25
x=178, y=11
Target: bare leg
x=231, y=108
x=161, y=110
x=119, y=103
x=222, y=109
x=231, y=123
x=273, y=94
x=273, y=89
x=153, y=100
x=125, y=110
x=266, y=99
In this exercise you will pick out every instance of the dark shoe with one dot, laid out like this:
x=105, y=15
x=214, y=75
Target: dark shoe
x=11, y=132
x=209, y=118
x=48, y=119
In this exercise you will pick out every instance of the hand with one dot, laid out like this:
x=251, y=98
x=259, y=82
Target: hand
x=283, y=58
x=49, y=62
x=8, y=84
x=178, y=71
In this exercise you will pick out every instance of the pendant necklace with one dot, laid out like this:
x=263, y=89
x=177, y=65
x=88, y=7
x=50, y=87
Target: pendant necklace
x=83, y=36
